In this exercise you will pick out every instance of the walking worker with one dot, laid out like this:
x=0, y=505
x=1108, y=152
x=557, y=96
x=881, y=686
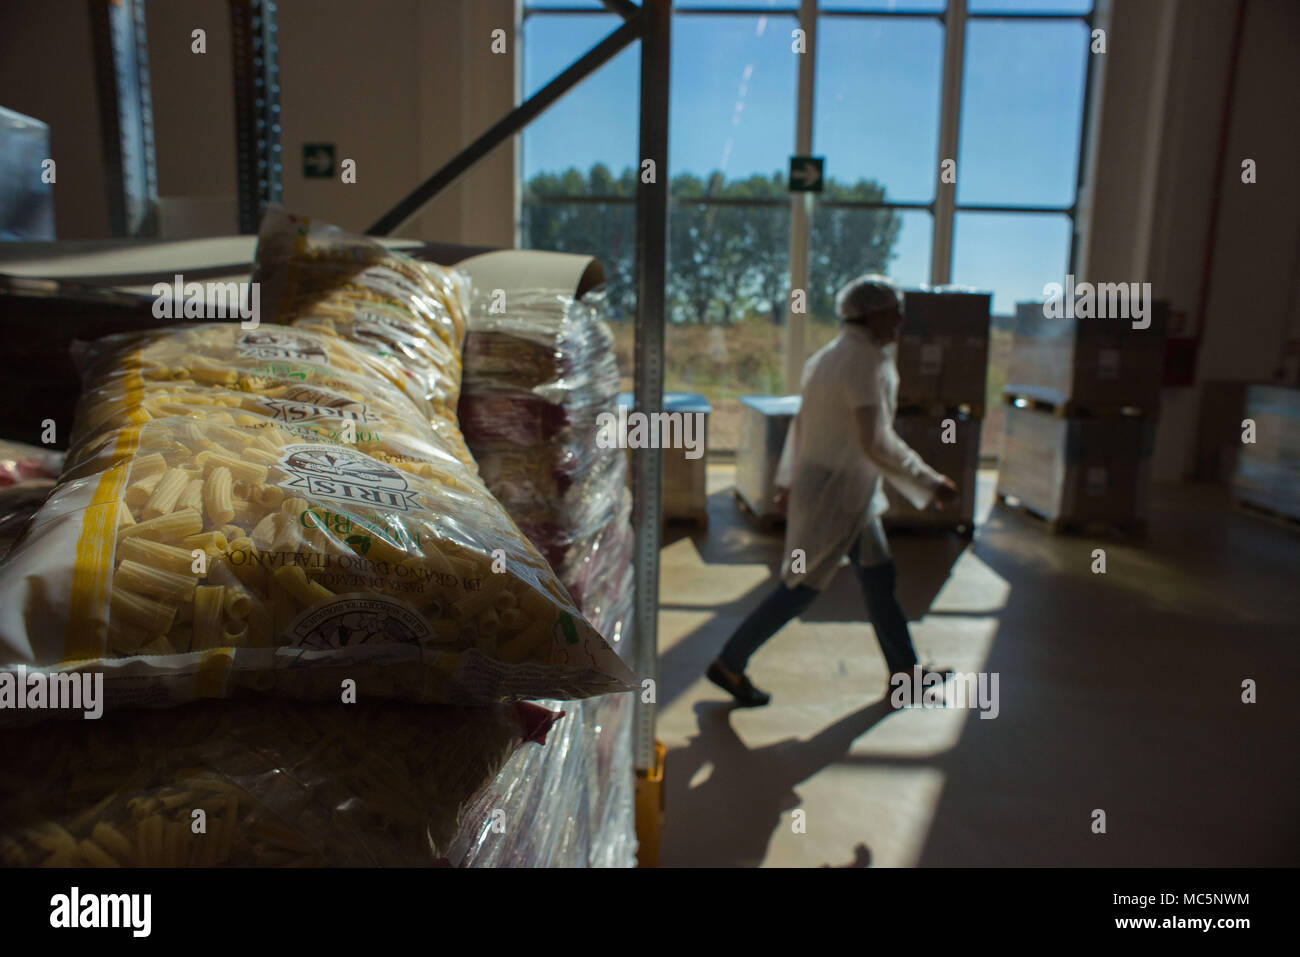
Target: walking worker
x=840, y=445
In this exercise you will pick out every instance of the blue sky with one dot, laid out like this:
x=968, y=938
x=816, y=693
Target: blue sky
x=876, y=116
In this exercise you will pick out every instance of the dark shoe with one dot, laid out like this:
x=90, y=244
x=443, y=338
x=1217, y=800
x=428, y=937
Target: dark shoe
x=737, y=685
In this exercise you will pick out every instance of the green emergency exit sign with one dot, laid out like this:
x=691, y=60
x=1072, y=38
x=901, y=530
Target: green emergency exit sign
x=317, y=160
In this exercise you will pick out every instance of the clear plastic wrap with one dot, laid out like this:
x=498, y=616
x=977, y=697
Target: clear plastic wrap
x=208, y=537
x=536, y=378
x=27, y=475
x=568, y=805
x=316, y=276
x=24, y=463
x=278, y=784
x=315, y=385
x=542, y=343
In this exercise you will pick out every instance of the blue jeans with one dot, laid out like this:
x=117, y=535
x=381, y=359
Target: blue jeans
x=785, y=603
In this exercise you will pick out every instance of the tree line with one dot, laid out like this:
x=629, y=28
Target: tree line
x=725, y=262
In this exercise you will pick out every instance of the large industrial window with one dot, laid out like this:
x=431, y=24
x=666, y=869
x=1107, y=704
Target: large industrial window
x=880, y=119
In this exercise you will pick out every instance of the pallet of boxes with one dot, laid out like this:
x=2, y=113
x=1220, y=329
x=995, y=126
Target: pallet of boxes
x=1083, y=397
x=1266, y=477
x=942, y=364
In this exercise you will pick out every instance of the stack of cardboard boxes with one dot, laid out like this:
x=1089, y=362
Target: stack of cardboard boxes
x=1267, y=476
x=1083, y=395
x=942, y=365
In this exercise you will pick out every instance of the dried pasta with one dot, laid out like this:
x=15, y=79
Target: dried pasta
x=278, y=510
x=385, y=785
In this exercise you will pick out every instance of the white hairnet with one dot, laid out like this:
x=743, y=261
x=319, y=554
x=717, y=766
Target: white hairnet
x=867, y=294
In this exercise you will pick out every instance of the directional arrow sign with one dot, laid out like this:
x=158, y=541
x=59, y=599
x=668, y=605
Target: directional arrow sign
x=806, y=174
x=317, y=160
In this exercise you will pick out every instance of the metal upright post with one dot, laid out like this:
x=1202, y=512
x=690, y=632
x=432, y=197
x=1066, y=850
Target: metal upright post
x=126, y=115
x=651, y=268
x=945, y=194
x=257, y=107
x=801, y=203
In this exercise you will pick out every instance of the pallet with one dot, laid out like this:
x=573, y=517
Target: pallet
x=1266, y=513
x=916, y=406
x=696, y=519
x=1127, y=528
x=962, y=529
x=1069, y=408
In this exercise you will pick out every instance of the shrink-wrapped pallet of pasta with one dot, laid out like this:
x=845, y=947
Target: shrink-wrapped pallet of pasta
x=256, y=783
x=539, y=372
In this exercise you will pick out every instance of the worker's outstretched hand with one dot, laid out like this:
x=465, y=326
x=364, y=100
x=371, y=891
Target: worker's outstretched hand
x=945, y=493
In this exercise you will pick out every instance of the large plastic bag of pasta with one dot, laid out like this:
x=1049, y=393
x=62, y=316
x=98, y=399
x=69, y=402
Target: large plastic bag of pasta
x=319, y=277
x=203, y=540
x=190, y=557
x=314, y=384
x=277, y=784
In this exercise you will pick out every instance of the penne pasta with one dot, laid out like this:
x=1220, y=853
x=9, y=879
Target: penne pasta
x=219, y=496
x=294, y=581
x=171, y=558
x=165, y=586
x=209, y=607
x=137, y=611
x=169, y=529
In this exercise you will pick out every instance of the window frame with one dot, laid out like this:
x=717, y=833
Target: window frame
x=943, y=208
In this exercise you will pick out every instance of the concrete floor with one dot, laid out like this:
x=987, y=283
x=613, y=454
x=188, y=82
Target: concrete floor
x=1119, y=692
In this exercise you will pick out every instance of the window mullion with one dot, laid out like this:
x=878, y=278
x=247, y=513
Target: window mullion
x=945, y=194
x=801, y=203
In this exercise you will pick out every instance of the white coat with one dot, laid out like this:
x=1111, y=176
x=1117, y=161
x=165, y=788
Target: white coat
x=835, y=489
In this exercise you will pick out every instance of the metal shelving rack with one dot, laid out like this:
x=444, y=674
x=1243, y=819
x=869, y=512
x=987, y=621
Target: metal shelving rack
x=255, y=66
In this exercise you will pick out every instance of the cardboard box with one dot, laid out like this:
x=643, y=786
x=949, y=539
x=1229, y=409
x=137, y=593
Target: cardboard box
x=943, y=351
x=764, y=424
x=958, y=460
x=685, y=486
x=1077, y=470
x=1091, y=364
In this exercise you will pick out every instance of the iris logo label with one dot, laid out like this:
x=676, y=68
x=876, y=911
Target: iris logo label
x=281, y=345
x=344, y=475
x=289, y=411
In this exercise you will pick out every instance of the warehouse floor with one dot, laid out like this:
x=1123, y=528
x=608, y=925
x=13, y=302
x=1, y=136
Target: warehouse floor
x=1119, y=692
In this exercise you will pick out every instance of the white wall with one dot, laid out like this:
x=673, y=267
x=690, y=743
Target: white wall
x=400, y=86
x=194, y=118
x=1153, y=193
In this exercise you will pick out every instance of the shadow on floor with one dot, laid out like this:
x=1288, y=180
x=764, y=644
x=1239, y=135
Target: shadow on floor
x=1118, y=691
x=746, y=792
x=924, y=560
x=1122, y=692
